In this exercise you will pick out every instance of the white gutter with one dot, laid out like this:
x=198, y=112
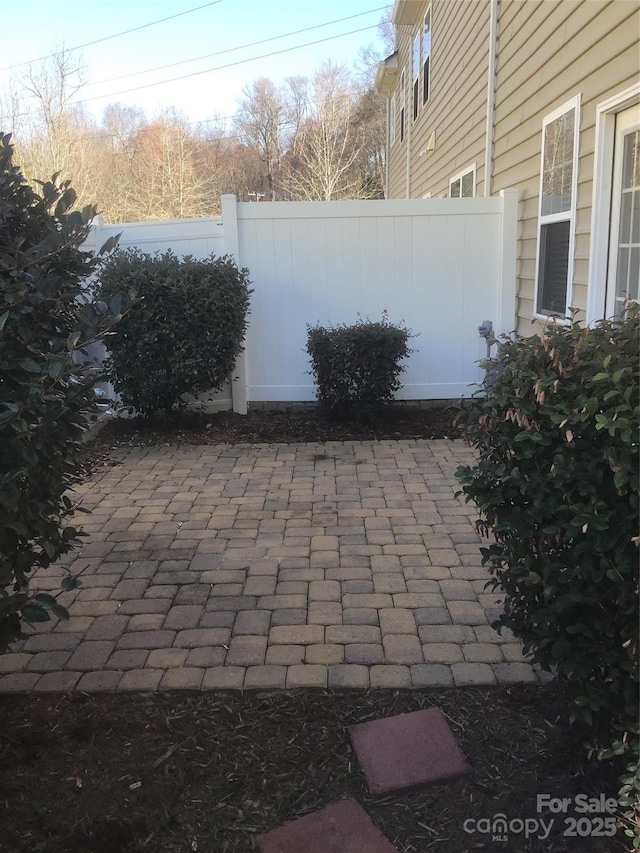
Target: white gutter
x=491, y=98
x=387, y=152
x=385, y=82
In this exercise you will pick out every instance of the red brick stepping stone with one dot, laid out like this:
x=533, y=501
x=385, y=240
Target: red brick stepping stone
x=342, y=827
x=407, y=751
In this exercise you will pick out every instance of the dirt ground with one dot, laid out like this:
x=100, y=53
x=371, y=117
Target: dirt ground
x=293, y=425
x=183, y=772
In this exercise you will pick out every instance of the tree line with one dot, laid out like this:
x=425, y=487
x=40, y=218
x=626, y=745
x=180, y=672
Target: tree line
x=317, y=138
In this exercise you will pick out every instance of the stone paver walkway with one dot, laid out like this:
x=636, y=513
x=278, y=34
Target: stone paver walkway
x=273, y=566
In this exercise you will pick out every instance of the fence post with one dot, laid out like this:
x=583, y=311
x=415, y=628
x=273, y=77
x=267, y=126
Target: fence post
x=98, y=225
x=507, y=320
x=93, y=241
x=232, y=247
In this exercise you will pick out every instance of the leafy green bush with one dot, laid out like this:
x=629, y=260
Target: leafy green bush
x=356, y=367
x=46, y=393
x=184, y=332
x=557, y=485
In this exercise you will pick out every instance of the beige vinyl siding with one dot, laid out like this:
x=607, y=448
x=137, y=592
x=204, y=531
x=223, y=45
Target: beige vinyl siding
x=456, y=109
x=549, y=52
x=398, y=152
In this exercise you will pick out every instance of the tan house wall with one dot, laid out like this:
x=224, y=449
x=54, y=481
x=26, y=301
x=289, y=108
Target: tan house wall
x=548, y=51
x=456, y=109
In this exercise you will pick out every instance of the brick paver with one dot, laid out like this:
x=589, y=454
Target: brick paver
x=261, y=567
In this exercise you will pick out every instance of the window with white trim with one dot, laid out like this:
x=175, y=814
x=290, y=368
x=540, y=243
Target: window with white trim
x=464, y=184
x=417, y=46
x=403, y=112
x=426, y=56
x=392, y=118
x=421, y=56
x=557, y=210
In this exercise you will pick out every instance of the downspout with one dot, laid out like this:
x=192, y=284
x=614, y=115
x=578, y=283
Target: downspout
x=387, y=149
x=491, y=98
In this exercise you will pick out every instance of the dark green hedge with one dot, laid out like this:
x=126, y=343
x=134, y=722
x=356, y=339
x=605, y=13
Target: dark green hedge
x=184, y=331
x=557, y=486
x=46, y=392
x=356, y=367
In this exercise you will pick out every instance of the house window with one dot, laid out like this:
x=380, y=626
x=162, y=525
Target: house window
x=464, y=184
x=426, y=56
x=627, y=260
x=420, y=66
x=416, y=76
x=556, y=221
x=392, y=118
x=403, y=94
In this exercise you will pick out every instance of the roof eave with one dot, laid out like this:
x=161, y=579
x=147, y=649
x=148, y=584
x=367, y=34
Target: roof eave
x=406, y=12
x=387, y=74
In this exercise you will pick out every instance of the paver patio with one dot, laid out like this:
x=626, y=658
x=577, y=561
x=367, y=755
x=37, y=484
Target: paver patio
x=273, y=566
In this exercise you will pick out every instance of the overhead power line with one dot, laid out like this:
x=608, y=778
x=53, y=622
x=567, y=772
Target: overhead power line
x=115, y=35
x=219, y=67
x=238, y=47
x=216, y=119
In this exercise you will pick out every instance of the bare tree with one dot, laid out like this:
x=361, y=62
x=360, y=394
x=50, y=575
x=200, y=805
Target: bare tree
x=113, y=161
x=370, y=117
x=167, y=181
x=308, y=139
x=328, y=144
x=122, y=124
x=260, y=124
x=214, y=159
x=51, y=133
x=371, y=109
x=370, y=55
x=51, y=85
x=12, y=120
x=296, y=104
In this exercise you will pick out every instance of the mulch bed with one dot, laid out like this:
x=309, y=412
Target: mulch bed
x=267, y=426
x=182, y=773
x=185, y=772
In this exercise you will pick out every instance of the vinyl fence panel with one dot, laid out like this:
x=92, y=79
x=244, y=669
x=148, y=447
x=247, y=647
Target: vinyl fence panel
x=440, y=266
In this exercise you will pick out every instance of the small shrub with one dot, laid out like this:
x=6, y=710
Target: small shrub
x=46, y=393
x=184, y=332
x=557, y=485
x=356, y=367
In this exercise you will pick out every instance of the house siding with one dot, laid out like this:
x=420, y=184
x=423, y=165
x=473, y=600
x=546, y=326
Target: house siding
x=398, y=152
x=548, y=51
x=456, y=109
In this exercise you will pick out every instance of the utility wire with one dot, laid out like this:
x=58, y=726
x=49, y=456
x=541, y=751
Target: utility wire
x=215, y=119
x=239, y=47
x=115, y=35
x=219, y=67
x=148, y=128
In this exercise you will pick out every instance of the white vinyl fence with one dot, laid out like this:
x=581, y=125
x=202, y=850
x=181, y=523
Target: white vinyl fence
x=441, y=266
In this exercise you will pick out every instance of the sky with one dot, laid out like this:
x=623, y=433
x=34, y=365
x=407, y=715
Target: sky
x=214, y=42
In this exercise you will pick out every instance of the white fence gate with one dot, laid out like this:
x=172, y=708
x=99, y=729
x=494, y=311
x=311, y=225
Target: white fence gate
x=440, y=265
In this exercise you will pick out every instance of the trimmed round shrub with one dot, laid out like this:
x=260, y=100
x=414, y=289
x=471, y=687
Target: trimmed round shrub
x=557, y=485
x=183, y=332
x=357, y=367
